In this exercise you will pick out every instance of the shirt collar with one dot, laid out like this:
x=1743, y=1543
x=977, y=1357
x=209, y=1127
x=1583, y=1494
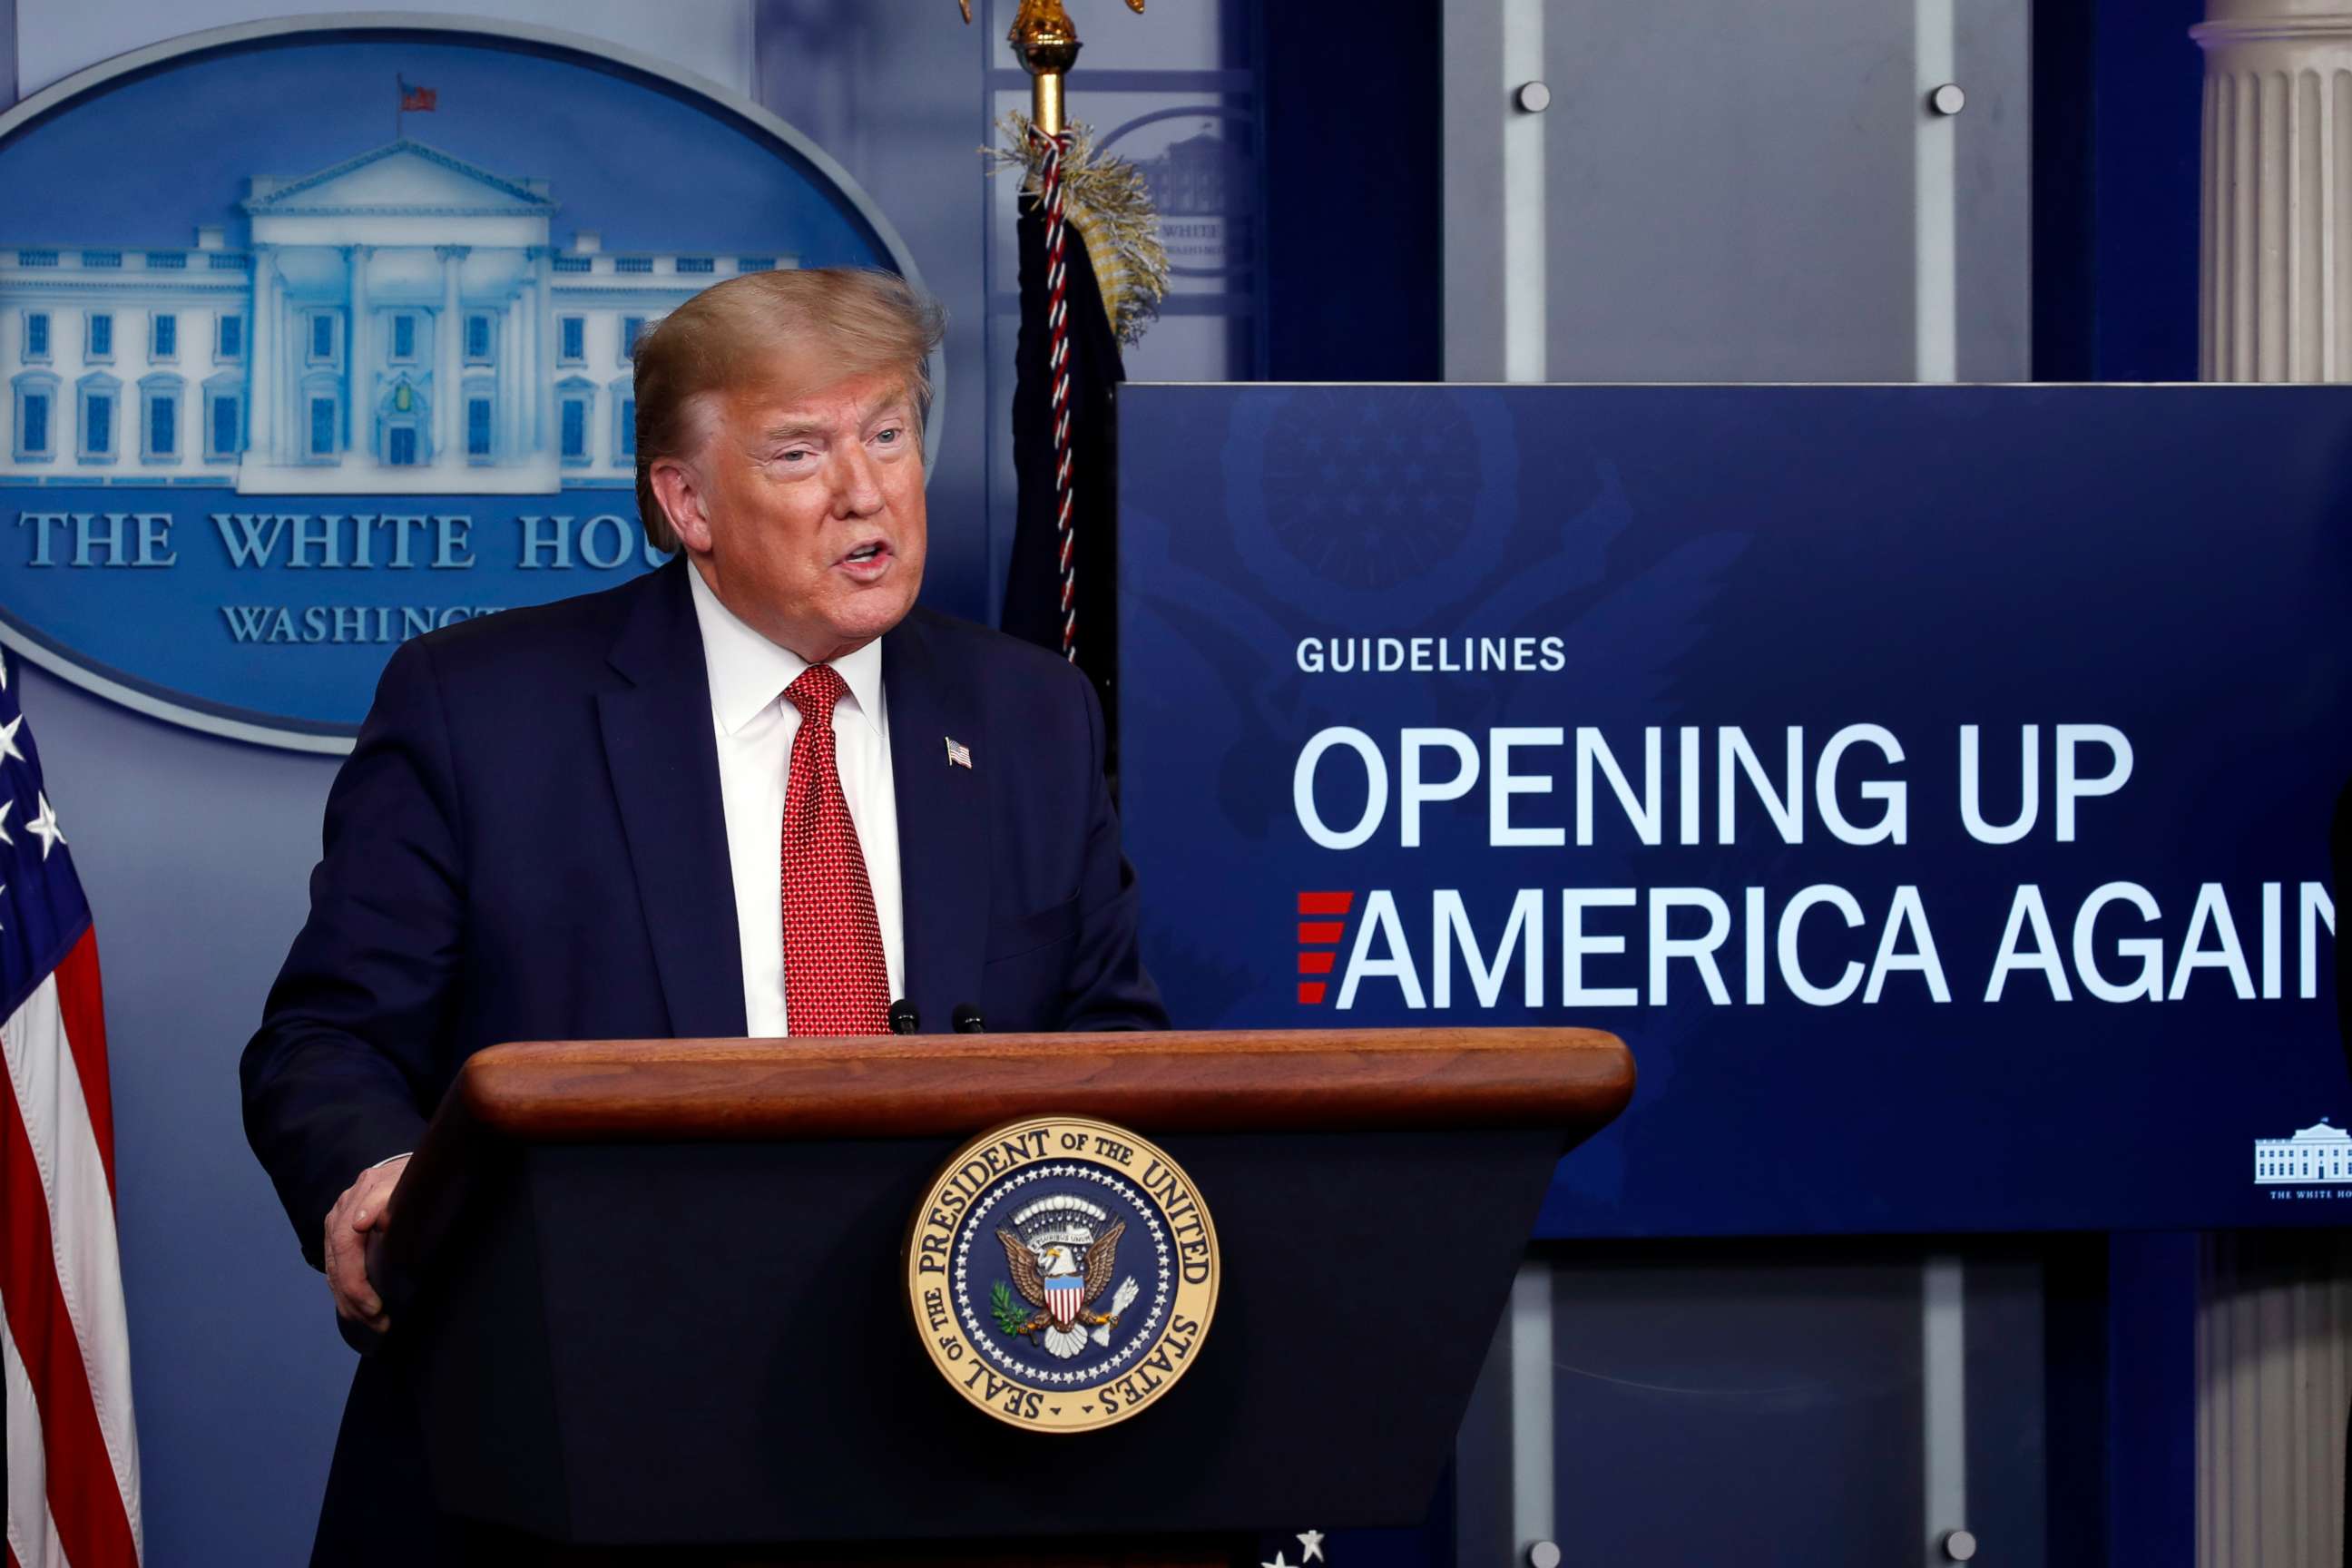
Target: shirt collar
x=749, y=673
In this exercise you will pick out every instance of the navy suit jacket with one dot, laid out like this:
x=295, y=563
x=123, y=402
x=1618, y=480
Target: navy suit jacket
x=528, y=843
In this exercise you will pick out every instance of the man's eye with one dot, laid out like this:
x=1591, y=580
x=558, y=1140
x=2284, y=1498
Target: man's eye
x=890, y=437
x=796, y=454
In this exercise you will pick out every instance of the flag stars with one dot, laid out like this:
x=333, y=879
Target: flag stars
x=44, y=827
x=8, y=752
x=1310, y=1546
x=5, y=807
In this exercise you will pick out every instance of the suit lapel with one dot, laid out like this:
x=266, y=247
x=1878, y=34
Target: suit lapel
x=665, y=768
x=943, y=822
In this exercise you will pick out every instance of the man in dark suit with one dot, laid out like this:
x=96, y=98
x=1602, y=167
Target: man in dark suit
x=573, y=821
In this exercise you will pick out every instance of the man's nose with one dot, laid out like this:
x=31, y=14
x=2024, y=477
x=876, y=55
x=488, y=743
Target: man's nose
x=857, y=483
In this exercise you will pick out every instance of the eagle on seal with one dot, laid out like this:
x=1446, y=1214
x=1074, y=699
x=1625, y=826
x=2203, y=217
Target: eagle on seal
x=1063, y=1283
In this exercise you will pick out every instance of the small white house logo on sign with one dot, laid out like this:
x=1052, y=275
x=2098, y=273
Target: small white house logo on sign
x=2320, y=1154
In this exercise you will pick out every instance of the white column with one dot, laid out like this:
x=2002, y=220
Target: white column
x=359, y=367
x=448, y=344
x=510, y=431
x=2274, y=1323
x=260, y=361
x=2276, y=266
x=543, y=354
x=528, y=372
x=291, y=418
x=2274, y=301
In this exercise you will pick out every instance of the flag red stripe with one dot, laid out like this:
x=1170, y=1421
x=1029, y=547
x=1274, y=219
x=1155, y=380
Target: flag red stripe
x=1326, y=903
x=1310, y=991
x=92, y=1525
x=84, y=1011
x=1321, y=931
x=1315, y=963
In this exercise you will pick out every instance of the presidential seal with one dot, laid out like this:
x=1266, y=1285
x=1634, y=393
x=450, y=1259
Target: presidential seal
x=1063, y=1272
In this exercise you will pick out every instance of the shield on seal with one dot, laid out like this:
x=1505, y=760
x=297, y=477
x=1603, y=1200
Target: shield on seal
x=1063, y=1294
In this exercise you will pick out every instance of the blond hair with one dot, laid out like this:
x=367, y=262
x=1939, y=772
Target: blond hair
x=855, y=320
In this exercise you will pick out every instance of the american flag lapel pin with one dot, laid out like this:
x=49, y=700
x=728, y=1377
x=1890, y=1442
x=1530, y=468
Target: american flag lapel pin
x=958, y=754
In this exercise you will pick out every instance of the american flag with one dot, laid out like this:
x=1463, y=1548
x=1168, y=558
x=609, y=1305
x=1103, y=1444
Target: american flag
x=73, y=1449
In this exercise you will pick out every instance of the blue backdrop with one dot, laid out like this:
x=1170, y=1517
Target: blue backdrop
x=1805, y=600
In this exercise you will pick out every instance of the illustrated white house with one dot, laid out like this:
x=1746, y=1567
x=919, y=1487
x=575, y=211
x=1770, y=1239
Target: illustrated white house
x=401, y=322
x=2321, y=1153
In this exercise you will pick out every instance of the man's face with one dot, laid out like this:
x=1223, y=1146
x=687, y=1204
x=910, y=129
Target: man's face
x=803, y=510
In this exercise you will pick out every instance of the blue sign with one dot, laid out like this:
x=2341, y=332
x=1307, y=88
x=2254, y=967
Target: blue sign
x=319, y=339
x=1932, y=785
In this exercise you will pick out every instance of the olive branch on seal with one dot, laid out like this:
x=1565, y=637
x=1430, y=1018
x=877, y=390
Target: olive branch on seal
x=1008, y=1318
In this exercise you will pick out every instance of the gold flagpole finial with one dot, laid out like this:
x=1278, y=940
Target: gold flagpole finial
x=1047, y=42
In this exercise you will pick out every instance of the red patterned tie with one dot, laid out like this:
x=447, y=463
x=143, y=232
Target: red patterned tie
x=836, y=981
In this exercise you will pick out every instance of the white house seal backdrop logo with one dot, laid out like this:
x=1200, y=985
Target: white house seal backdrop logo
x=357, y=363
x=1063, y=1273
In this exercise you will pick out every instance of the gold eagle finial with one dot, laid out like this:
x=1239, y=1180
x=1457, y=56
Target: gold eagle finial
x=1047, y=42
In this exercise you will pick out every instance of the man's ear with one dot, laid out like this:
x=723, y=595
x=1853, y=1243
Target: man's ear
x=682, y=499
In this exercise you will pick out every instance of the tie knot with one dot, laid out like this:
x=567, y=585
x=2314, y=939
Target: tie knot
x=818, y=687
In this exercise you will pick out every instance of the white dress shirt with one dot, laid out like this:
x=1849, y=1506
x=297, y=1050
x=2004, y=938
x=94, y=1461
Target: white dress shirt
x=754, y=725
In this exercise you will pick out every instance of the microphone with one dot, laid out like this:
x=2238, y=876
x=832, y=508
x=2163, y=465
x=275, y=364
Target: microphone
x=903, y=1020
x=968, y=1020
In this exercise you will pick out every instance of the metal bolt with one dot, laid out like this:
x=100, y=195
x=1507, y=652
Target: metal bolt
x=1948, y=99
x=1959, y=1545
x=1534, y=97
x=1543, y=1555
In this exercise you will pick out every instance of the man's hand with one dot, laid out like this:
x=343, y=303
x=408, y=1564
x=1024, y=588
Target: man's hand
x=365, y=1206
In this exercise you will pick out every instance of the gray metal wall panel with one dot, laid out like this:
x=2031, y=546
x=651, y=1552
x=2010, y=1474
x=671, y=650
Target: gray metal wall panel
x=1992, y=58
x=1731, y=191
x=1475, y=108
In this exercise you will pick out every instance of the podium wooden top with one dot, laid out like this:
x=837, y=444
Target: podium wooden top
x=907, y=1085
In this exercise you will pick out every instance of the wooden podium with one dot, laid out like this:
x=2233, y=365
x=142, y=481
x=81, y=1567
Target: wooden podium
x=648, y=1293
